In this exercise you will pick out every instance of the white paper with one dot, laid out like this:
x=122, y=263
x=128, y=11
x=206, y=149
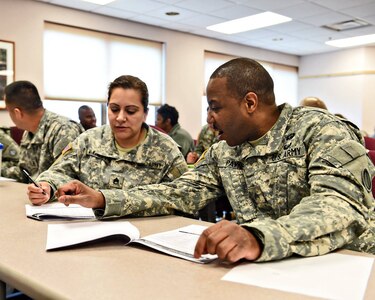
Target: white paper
x=332, y=276
x=62, y=235
x=60, y=210
x=179, y=242
x=6, y=179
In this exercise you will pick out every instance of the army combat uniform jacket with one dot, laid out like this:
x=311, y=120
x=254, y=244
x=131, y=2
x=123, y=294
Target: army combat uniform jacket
x=11, y=151
x=182, y=138
x=40, y=150
x=304, y=188
x=206, y=138
x=94, y=160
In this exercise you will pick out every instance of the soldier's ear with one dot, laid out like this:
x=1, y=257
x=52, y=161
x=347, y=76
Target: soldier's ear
x=251, y=102
x=18, y=112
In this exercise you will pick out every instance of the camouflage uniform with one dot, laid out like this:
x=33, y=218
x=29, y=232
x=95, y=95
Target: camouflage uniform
x=94, y=160
x=182, y=138
x=40, y=150
x=11, y=151
x=206, y=138
x=304, y=188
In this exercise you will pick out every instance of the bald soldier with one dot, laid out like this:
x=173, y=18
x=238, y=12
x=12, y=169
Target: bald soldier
x=298, y=179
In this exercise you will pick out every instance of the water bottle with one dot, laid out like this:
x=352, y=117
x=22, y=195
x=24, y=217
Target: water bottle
x=1, y=152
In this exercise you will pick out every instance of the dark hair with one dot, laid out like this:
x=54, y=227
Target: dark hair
x=246, y=75
x=82, y=108
x=168, y=112
x=130, y=82
x=24, y=95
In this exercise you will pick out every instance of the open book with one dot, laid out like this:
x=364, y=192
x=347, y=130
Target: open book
x=179, y=242
x=58, y=211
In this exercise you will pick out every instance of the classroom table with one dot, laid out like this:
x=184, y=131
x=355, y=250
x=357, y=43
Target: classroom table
x=110, y=270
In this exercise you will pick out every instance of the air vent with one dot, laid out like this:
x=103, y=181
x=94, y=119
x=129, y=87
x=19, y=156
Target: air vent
x=346, y=25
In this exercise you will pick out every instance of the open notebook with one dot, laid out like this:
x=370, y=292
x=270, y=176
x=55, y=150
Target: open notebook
x=58, y=211
x=179, y=242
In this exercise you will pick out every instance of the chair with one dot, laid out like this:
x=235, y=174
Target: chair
x=371, y=154
x=16, y=134
x=369, y=143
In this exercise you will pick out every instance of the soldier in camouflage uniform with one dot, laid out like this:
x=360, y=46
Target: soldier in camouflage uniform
x=111, y=157
x=298, y=179
x=46, y=133
x=11, y=151
x=206, y=138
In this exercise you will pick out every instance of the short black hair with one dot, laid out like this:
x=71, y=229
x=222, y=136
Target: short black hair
x=24, y=95
x=246, y=75
x=168, y=112
x=130, y=82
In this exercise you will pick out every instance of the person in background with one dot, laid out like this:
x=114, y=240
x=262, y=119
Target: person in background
x=10, y=152
x=87, y=117
x=313, y=102
x=124, y=154
x=167, y=119
x=298, y=179
x=46, y=133
x=207, y=137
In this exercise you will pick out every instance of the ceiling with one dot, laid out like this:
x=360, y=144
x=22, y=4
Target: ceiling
x=304, y=35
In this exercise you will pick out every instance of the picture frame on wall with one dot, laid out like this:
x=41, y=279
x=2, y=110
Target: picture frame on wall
x=7, y=67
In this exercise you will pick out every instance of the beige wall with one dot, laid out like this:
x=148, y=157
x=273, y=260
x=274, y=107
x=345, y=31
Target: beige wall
x=345, y=80
x=22, y=22
x=325, y=75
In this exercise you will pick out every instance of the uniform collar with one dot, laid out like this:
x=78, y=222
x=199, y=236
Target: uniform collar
x=272, y=140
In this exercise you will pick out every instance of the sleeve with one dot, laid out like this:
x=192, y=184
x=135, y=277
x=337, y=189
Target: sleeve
x=339, y=206
x=199, y=186
x=177, y=167
x=65, y=168
x=63, y=135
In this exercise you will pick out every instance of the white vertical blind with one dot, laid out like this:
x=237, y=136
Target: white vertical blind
x=79, y=64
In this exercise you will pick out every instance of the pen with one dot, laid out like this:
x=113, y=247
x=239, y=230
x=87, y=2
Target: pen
x=193, y=233
x=32, y=181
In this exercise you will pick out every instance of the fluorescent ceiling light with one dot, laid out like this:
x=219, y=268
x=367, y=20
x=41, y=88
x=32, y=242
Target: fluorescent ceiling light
x=100, y=2
x=249, y=23
x=353, y=41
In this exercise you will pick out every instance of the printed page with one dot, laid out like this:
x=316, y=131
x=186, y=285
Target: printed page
x=331, y=276
x=58, y=211
x=179, y=242
x=6, y=179
x=68, y=234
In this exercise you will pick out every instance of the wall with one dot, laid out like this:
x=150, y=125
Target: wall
x=22, y=21
x=345, y=81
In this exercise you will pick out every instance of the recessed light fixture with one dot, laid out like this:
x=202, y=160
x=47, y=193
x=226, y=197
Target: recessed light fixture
x=100, y=2
x=353, y=41
x=249, y=23
x=172, y=13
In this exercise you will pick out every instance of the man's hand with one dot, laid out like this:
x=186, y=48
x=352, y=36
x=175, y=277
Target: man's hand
x=79, y=193
x=192, y=157
x=229, y=241
x=39, y=196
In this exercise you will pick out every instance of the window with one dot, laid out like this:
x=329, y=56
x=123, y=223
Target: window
x=79, y=64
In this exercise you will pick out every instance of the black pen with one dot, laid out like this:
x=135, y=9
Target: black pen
x=32, y=181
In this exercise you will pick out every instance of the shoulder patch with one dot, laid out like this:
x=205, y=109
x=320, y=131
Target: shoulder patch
x=201, y=157
x=67, y=148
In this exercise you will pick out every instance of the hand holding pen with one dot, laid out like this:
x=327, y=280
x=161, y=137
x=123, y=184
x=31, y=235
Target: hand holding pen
x=37, y=191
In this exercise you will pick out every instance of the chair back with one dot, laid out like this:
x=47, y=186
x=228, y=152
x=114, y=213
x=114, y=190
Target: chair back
x=16, y=133
x=371, y=154
x=369, y=143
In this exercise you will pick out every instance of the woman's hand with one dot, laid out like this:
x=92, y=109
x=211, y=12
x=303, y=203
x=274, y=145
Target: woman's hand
x=79, y=193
